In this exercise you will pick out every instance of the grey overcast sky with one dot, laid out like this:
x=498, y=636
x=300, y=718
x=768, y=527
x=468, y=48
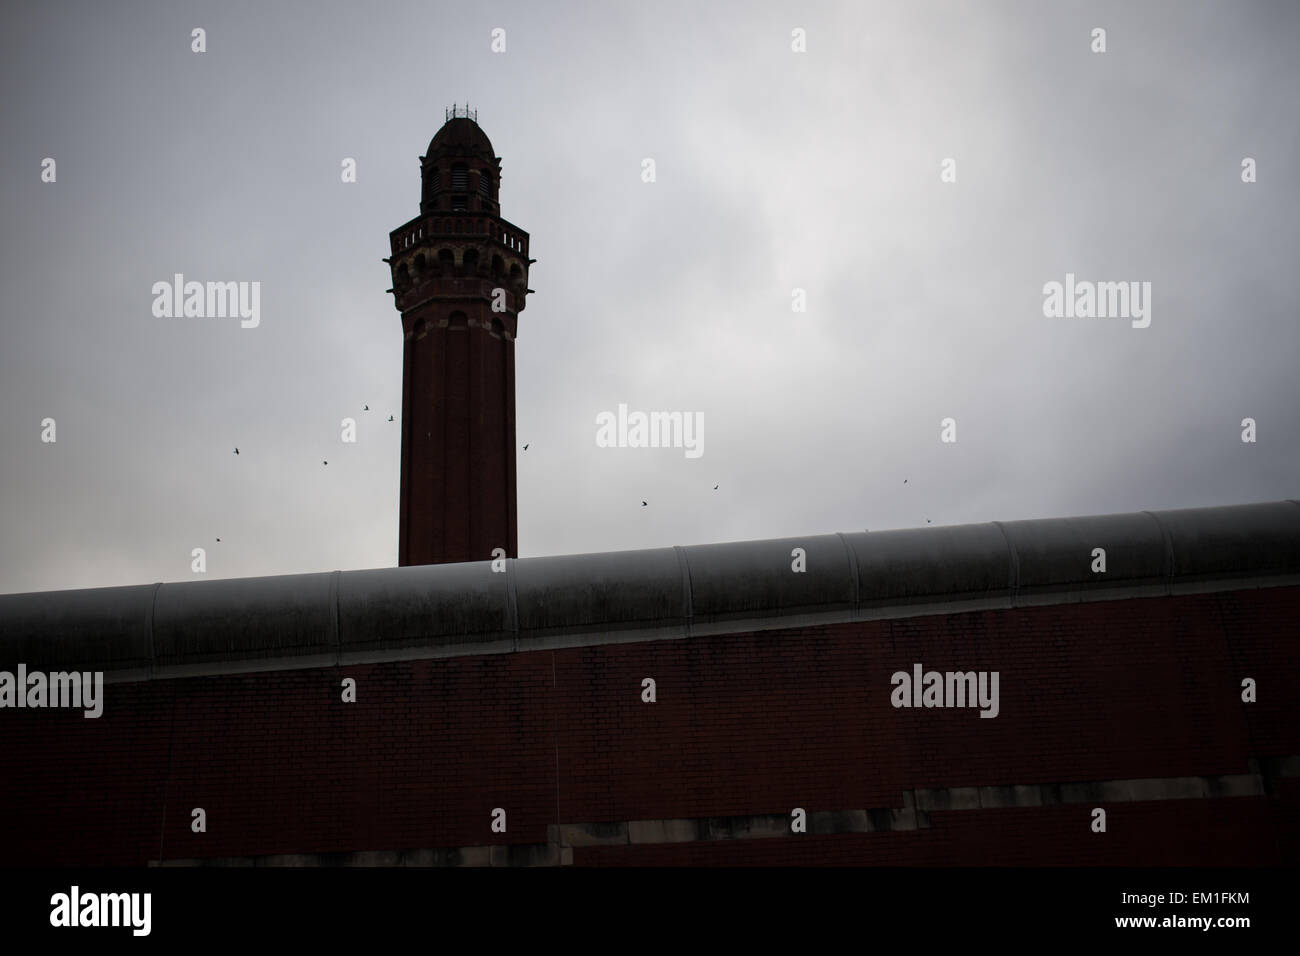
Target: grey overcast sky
x=776, y=170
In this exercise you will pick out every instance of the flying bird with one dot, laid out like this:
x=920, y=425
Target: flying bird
x=236, y=451
x=324, y=462
x=365, y=408
x=218, y=539
x=643, y=504
x=390, y=418
x=904, y=481
x=927, y=520
x=715, y=487
x=526, y=446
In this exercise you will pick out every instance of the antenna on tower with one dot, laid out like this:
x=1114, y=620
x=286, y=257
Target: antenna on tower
x=461, y=112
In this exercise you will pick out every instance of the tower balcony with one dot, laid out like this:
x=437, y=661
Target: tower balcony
x=428, y=229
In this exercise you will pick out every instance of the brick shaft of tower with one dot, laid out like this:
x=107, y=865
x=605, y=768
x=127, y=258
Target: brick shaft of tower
x=460, y=277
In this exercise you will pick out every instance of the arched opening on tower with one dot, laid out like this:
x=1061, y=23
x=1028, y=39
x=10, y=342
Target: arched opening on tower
x=459, y=187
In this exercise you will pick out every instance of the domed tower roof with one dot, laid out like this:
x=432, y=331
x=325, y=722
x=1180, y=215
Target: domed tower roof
x=460, y=172
x=462, y=136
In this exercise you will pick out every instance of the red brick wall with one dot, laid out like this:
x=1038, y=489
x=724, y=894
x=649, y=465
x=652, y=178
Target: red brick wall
x=744, y=724
x=458, y=499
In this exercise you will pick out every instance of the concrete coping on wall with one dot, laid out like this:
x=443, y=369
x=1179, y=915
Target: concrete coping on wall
x=239, y=625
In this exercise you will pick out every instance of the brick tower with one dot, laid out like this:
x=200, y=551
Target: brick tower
x=460, y=277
